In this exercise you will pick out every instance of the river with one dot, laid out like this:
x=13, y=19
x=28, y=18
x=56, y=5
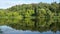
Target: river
x=9, y=30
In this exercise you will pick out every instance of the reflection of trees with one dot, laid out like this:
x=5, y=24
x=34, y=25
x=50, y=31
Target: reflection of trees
x=32, y=28
x=45, y=21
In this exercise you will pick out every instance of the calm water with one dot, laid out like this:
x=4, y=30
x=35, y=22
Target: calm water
x=9, y=30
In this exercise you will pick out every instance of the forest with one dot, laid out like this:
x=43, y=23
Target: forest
x=32, y=15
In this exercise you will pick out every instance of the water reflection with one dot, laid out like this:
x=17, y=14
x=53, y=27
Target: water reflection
x=8, y=30
x=1, y=31
x=29, y=25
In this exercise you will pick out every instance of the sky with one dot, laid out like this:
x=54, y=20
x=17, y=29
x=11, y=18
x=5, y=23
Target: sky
x=8, y=3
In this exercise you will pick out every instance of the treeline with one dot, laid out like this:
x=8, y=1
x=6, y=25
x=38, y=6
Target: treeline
x=41, y=14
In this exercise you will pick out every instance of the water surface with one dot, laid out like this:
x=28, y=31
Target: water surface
x=9, y=30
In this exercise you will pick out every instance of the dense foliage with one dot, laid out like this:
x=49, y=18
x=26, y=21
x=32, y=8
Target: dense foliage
x=34, y=15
